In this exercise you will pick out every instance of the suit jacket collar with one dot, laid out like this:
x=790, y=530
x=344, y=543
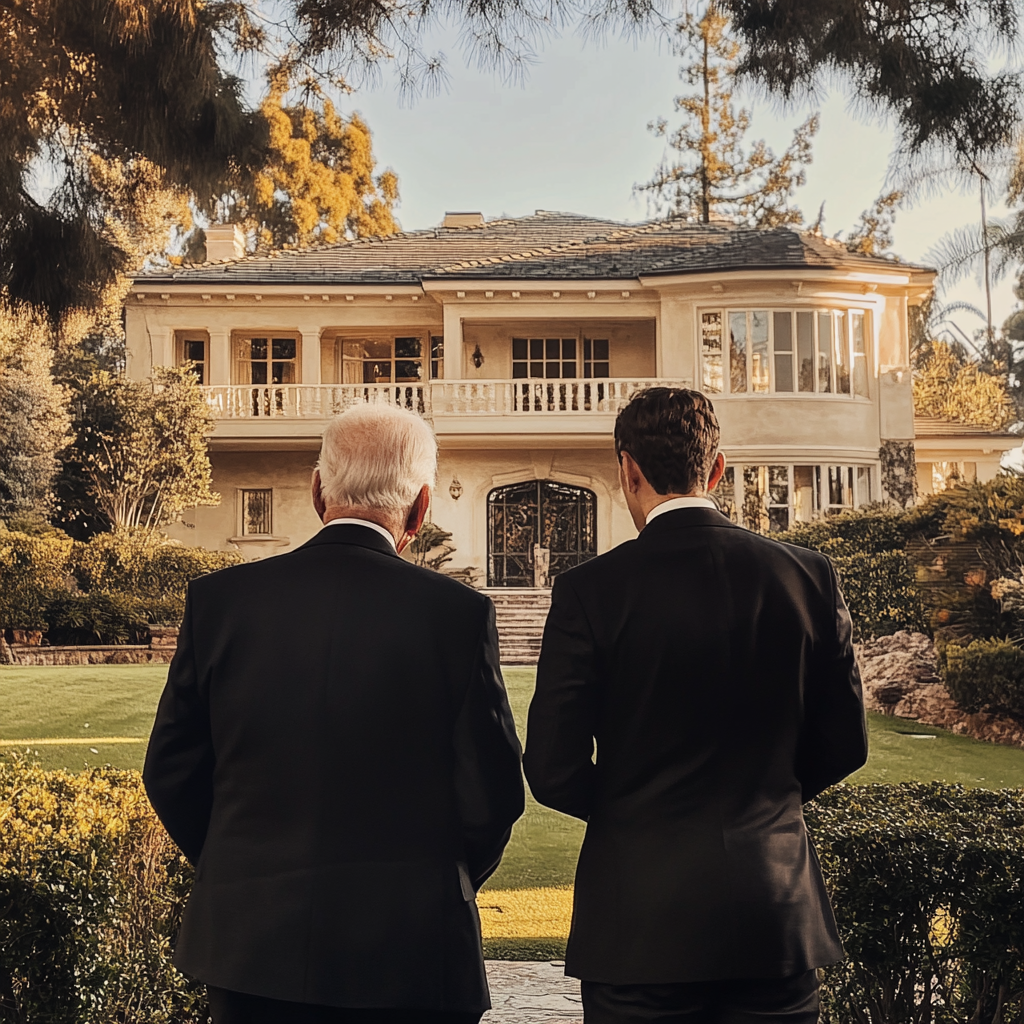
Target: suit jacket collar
x=350, y=533
x=681, y=518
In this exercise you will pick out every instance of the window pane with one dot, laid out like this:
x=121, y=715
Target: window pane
x=283, y=348
x=256, y=512
x=783, y=326
x=825, y=352
x=259, y=373
x=600, y=348
x=755, y=512
x=283, y=373
x=860, y=359
x=259, y=348
x=536, y=348
x=805, y=349
x=377, y=371
x=805, y=496
x=377, y=349
x=725, y=494
x=737, y=352
x=408, y=348
x=569, y=348
x=863, y=485
x=195, y=351
x=437, y=358
x=842, y=356
x=408, y=370
x=519, y=348
x=536, y=369
x=759, y=372
x=711, y=351
x=840, y=486
x=778, y=485
x=518, y=370
x=783, y=371
x=552, y=346
x=600, y=369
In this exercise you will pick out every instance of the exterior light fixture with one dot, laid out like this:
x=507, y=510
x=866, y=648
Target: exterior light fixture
x=455, y=489
x=477, y=358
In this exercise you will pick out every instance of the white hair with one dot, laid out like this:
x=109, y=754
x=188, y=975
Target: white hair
x=376, y=456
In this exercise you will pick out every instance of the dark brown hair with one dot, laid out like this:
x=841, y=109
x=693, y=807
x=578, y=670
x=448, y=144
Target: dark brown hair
x=672, y=435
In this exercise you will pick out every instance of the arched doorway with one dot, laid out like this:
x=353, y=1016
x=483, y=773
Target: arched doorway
x=558, y=519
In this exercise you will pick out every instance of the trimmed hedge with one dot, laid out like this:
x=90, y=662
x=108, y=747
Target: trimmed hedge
x=867, y=548
x=926, y=880
x=106, y=591
x=985, y=674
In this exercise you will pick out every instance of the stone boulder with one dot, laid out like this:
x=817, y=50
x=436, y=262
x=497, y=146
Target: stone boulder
x=900, y=676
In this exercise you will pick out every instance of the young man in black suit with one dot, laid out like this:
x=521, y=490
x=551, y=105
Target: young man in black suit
x=715, y=671
x=335, y=753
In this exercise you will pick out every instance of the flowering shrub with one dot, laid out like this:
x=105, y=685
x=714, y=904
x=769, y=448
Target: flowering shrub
x=91, y=892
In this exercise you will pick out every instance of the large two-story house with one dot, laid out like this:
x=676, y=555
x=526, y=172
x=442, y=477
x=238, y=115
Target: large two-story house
x=519, y=340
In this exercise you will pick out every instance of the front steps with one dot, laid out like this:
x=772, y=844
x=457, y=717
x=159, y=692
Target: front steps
x=521, y=613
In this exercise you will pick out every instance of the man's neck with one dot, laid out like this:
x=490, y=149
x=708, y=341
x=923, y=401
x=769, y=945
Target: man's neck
x=368, y=515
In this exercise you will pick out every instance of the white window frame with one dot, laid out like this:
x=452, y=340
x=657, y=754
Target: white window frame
x=242, y=491
x=842, y=328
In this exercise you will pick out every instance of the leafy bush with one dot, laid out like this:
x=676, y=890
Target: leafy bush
x=927, y=886
x=105, y=591
x=926, y=881
x=142, y=563
x=867, y=548
x=984, y=674
x=91, y=893
x=100, y=617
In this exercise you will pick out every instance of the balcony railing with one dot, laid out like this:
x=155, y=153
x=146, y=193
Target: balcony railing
x=437, y=398
x=310, y=401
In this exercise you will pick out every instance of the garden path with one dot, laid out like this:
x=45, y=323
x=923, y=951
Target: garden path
x=525, y=992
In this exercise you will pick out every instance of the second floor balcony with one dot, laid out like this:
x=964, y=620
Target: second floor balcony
x=496, y=400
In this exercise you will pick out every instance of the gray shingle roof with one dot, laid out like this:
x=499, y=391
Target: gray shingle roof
x=545, y=246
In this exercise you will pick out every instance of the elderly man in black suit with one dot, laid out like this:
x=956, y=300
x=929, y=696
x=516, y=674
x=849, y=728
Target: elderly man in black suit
x=715, y=671
x=335, y=753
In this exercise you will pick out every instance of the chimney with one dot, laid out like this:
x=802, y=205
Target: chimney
x=463, y=220
x=224, y=242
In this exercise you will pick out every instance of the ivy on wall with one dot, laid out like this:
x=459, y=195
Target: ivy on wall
x=899, y=472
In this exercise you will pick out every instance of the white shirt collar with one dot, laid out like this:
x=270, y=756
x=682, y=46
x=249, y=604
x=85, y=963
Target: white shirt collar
x=364, y=522
x=673, y=503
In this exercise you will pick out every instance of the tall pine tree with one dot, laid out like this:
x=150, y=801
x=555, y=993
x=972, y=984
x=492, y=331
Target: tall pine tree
x=709, y=173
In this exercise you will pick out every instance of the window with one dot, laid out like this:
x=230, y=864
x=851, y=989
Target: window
x=383, y=360
x=595, y=358
x=257, y=506
x=782, y=351
x=266, y=360
x=543, y=357
x=772, y=498
x=436, y=358
x=193, y=350
x=711, y=351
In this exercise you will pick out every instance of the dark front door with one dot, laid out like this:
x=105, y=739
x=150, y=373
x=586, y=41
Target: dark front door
x=557, y=517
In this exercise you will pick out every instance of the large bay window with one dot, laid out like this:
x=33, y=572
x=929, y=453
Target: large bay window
x=772, y=498
x=783, y=351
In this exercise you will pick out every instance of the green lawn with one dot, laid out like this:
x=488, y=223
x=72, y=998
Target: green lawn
x=118, y=701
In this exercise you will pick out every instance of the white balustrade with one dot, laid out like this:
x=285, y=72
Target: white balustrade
x=515, y=397
x=450, y=397
x=309, y=401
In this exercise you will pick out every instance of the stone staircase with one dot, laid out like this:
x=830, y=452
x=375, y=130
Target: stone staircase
x=521, y=612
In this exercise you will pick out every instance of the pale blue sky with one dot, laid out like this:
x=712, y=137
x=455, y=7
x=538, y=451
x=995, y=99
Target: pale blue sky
x=574, y=138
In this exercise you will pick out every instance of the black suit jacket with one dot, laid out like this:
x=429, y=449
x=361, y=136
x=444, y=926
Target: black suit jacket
x=715, y=670
x=335, y=752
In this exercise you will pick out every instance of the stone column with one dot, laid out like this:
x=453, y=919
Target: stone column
x=219, y=358
x=452, y=343
x=310, y=370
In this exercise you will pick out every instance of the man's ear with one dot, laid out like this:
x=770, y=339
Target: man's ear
x=717, y=472
x=319, y=505
x=416, y=516
x=632, y=475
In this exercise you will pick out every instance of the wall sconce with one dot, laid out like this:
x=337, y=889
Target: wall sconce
x=477, y=358
x=455, y=489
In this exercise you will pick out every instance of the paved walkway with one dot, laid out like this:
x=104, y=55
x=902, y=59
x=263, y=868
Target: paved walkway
x=532, y=993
